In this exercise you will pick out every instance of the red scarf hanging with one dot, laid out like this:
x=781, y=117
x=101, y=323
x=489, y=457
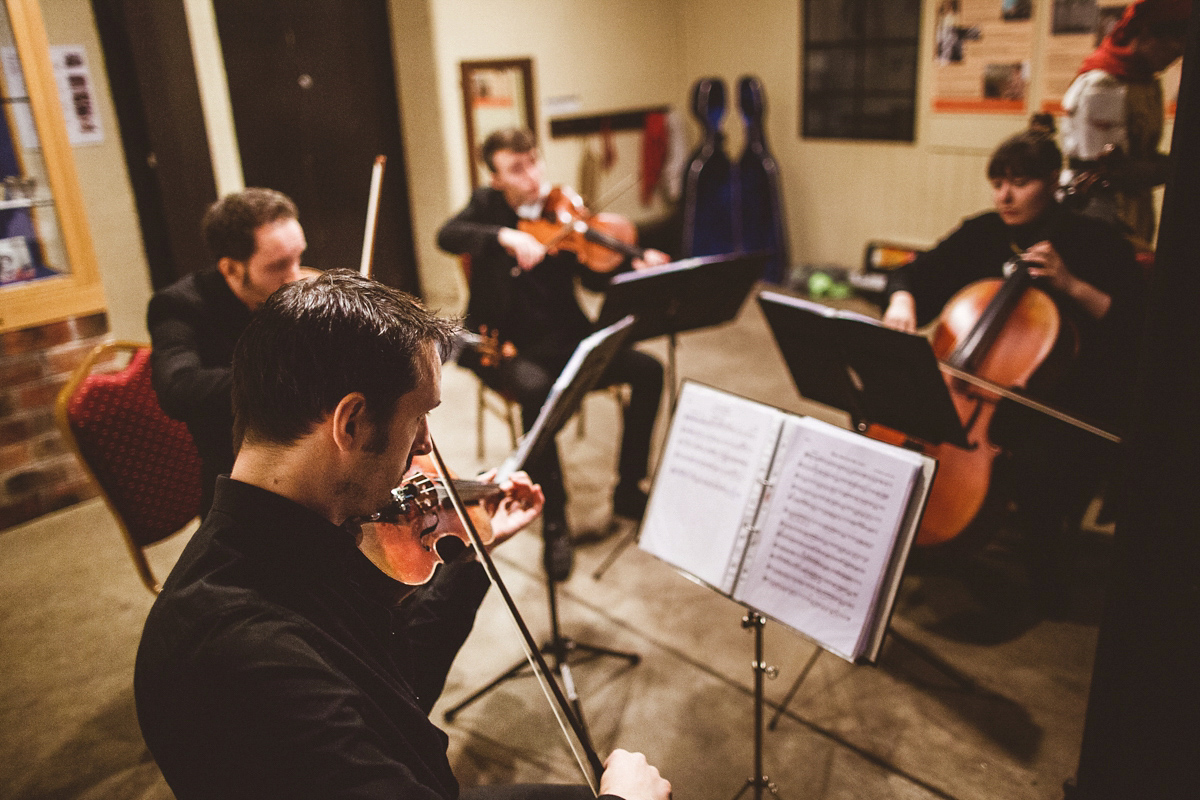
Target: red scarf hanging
x=1116, y=55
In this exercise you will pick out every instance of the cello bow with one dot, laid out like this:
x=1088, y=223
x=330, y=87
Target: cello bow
x=581, y=747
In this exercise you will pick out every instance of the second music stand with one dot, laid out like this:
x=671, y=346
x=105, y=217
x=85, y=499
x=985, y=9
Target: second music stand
x=587, y=363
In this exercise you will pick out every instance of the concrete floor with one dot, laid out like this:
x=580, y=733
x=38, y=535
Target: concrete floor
x=975, y=696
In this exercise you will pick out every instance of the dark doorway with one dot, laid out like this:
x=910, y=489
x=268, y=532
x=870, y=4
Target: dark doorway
x=153, y=82
x=314, y=101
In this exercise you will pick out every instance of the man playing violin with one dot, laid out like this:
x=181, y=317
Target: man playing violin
x=526, y=295
x=279, y=661
x=256, y=240
x=1089, y=270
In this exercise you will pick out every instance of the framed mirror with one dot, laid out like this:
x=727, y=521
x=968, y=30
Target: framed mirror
x=496, y=94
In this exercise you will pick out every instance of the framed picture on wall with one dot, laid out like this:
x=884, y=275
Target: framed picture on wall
x=496, y=94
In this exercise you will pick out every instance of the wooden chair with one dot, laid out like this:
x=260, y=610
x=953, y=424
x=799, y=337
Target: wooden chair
x=504, y=406
x=145, y=463
x=491, y=401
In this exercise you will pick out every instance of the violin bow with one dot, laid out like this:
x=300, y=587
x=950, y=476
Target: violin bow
x=368, y=250
x=580, y=745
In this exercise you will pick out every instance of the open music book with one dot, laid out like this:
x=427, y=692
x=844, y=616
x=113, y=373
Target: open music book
x=807, y=523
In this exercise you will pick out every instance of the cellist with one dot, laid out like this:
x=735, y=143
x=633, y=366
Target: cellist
x=1051, y=470
x=527, y=296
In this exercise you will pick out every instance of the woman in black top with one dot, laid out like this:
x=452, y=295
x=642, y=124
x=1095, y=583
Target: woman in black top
x=1089, y=269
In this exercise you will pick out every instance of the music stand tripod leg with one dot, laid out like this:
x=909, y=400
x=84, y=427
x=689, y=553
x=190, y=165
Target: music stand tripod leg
x=758, y=781
x=559, y=648
x=787, y=699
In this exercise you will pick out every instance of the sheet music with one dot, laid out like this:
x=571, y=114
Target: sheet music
x=707, y=487
x=826, y=531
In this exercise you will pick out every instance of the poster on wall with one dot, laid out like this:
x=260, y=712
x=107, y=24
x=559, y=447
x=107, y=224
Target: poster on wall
x=1076, y=28
x=982, y=55
x=75, y=92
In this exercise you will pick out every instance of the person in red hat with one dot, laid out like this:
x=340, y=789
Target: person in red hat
x=1114, y=116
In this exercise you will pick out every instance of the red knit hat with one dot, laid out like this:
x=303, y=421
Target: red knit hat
x=1115, y=54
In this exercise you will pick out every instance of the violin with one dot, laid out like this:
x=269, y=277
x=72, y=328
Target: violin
x=492, y=352
x=600, y=241
x=1009, y=333
x=417, y=529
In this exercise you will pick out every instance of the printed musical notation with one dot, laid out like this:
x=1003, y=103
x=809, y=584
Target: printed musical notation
x=803, y=521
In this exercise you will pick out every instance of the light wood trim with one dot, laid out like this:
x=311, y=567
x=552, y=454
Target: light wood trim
x=79, y=292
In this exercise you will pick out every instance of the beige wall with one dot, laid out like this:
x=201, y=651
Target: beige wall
x=612, y=55
x=838, y=194
x=104, y=181
x=619, y=54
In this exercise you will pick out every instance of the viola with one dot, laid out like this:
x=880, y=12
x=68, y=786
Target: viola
x=418, y=529
x=600, y=241
x=492, y=352
x=1009, y=333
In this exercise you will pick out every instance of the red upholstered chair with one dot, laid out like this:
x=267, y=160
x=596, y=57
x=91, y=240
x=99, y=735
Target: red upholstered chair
x=145, y=463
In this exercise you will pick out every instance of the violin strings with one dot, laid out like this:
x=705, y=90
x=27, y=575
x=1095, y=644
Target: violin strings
x=621, y=187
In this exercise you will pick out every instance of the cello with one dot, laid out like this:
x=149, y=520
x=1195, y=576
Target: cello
x=1006, y=332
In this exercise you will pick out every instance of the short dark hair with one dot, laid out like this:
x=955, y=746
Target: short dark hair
x=317, y=340
x=1031, y=153
x=519, y=140
x=229, y=224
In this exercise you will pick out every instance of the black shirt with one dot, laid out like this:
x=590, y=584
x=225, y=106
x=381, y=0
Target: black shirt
x=194, y=324
x=276, y=662
x=536, y=310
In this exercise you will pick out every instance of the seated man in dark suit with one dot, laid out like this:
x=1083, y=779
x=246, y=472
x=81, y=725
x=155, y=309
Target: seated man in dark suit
x=256, y=239
x=526, y=296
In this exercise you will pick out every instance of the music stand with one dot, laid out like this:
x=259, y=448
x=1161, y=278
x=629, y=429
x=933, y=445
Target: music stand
x=682, y=296
x=851, y=362
x=591, y=357
x=876, y=374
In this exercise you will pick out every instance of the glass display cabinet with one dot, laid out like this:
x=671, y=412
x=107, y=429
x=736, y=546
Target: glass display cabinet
x=47, y=265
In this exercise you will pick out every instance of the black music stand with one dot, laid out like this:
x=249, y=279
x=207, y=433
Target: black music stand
x=591, y=357
x=682, y=296
x=878, y=375
x=853, y=363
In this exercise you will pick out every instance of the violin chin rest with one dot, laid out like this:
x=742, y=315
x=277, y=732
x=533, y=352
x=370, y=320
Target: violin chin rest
x=449, y=548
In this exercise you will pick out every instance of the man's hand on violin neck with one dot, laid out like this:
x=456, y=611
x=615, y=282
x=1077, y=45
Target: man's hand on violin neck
x=630, y=776
x=520, y=505
x=527, y=250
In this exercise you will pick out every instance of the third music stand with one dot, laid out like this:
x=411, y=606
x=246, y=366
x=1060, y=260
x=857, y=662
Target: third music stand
x=682, y=296
x=853, y=363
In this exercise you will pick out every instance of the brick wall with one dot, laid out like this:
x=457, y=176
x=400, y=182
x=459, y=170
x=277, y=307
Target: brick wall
x=38, y=473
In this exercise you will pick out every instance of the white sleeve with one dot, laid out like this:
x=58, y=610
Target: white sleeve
x=1095, y=108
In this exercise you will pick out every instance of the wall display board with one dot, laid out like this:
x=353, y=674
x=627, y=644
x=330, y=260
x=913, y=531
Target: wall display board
x=996, y=62
x=983, y=52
